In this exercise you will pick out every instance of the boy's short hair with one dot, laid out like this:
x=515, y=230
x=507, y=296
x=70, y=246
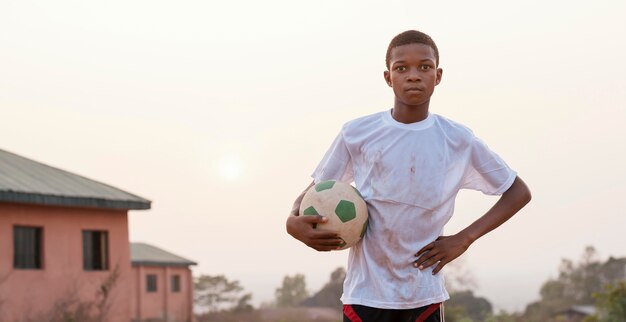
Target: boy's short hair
x=411, y=37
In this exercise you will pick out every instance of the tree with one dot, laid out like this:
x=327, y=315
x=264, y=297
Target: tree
x=337, y=276
x=611, y=304
x=465, y=306
x=243, y=304
x=330, y=294
x=217, y=292
x=292, y=292
x=575, y=285
x=456, y=314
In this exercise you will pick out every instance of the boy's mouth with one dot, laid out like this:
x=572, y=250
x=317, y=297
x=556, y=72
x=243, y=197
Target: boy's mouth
x=413, y=89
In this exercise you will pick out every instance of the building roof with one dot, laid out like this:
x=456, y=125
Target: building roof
x=26, y=181
x=583, y=310
x=145, y=254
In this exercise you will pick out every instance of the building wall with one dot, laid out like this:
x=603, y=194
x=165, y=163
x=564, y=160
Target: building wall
x=27, y=295
x=162, y=304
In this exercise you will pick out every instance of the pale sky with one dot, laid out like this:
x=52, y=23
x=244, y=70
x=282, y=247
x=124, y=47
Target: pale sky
x=219, y=111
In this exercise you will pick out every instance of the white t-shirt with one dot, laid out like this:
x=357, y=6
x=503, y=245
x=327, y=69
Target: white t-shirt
x=409, y=175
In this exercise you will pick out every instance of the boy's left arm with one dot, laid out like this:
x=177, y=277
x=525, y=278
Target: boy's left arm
x=446, y=248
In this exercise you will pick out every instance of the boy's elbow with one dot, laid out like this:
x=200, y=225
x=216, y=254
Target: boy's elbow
x=527, y=197
x=524, y=192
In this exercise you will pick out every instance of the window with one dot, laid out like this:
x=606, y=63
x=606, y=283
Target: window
x=175, y=283
x=95, y=250
x=27, y=247
x=151, y=283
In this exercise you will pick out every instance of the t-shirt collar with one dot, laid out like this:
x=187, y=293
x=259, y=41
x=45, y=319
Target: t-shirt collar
x=423, y=124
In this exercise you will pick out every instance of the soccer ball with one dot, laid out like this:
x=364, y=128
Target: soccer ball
x=344, y=207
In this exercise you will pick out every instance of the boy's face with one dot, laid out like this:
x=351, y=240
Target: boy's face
x=413, y=73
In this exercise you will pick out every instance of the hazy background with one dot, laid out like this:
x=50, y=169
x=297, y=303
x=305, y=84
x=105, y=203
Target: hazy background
x=218, y=111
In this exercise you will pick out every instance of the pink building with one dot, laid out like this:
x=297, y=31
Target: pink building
x=163, y=284
x=64, y=252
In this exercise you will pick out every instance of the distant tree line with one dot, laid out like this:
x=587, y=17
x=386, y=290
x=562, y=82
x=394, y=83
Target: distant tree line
x=589, y=282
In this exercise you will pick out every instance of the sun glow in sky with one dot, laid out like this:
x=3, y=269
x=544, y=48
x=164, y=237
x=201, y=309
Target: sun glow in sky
x=230, y=167
x=171, y=99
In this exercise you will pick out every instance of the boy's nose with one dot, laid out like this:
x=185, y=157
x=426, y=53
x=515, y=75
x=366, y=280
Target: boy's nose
x=413, y=75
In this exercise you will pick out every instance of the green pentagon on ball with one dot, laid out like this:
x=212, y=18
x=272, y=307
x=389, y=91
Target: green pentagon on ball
x=324, y=185
x=345, y=210
x=310, y=212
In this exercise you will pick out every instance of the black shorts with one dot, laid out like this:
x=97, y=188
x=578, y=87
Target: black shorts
x=360, y=313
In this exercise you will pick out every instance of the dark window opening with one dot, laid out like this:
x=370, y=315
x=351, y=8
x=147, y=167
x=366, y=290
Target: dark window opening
x=175, y=283
x=27, y=247
x=151, y=283
x=95, y=250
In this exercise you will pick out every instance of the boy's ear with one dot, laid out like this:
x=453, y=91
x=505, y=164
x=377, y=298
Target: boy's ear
x=439, y=74
x=387, y=76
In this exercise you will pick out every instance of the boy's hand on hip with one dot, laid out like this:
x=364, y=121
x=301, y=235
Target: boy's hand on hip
x=301, y=228
x=442, y=251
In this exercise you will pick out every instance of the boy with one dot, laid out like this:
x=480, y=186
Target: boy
x=409, y=165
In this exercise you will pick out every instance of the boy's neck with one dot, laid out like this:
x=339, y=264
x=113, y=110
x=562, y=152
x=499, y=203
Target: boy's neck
x=409, y=114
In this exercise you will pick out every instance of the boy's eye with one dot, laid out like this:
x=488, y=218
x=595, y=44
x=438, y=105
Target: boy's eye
x=425, y=67
x=401, y=68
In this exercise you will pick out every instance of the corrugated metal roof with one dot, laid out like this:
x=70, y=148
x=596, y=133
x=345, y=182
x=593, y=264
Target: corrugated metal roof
x=145, y=254
x=584, y=309
x=27, y=181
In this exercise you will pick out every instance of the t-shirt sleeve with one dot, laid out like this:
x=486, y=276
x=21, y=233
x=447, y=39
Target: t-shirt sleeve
x=486, y=171
x=336, y=163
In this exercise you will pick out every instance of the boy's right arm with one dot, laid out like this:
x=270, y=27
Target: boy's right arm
x=301, y=228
